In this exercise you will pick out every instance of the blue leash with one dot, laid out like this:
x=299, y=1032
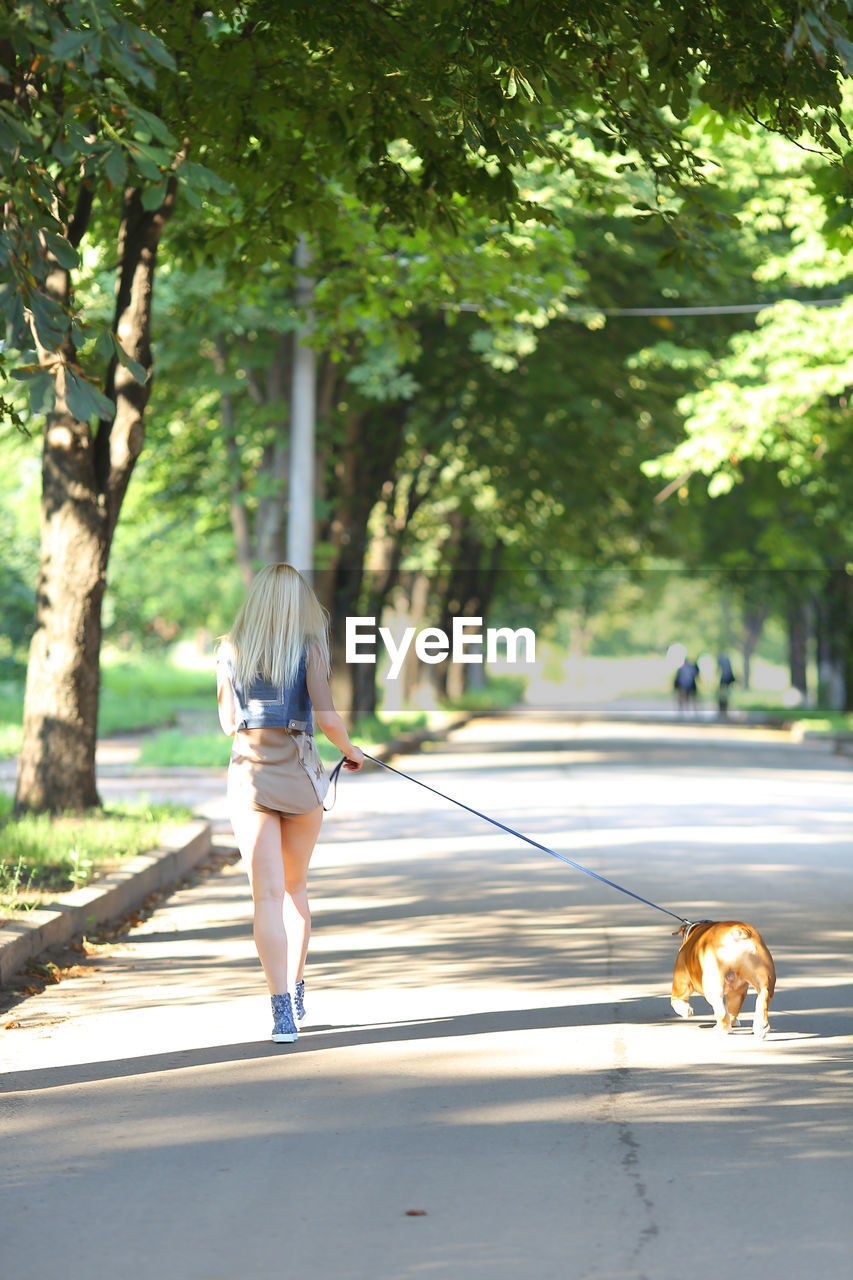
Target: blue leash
x=511, y=831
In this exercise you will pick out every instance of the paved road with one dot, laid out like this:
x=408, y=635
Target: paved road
x=490, y=1042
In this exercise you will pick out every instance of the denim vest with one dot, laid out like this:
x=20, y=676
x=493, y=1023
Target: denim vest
x=261, y=705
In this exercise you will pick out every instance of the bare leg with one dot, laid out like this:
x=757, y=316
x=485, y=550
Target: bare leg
x=298, y=837
x=259, y=840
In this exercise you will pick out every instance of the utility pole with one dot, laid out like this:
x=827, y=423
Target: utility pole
x=300, y=514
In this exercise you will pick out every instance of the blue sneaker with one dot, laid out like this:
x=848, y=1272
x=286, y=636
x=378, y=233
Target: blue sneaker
x=284, y=1028
x=299, y=1000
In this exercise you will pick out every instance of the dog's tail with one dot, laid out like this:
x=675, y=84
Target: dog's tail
x=739, y=940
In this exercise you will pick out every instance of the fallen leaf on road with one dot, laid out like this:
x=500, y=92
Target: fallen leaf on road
x=94, y=948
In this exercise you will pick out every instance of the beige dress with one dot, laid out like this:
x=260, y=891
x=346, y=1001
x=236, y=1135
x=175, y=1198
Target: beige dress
x=276, y=770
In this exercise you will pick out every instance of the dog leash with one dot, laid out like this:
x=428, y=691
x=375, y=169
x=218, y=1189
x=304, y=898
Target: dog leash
x=512, y=831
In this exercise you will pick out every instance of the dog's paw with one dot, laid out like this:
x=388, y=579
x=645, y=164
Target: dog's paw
x=760, y=1030
x=682, y=1008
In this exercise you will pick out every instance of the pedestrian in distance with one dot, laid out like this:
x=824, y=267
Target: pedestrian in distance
x=727, y=679
x=686, y=687
x=272, y=683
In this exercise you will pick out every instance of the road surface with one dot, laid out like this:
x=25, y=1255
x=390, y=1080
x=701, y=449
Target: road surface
x=492, y=1083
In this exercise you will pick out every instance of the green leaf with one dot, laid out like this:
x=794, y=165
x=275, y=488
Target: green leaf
x=115, y=166
x=39, y=383
x=104, y=344
x=19, y=128
x=12, y=307
x=51, y=322
x=192, y=197
x=64, y=253
x=84, y=399
x=152, y=127
x=199, y=177
x=153, y=197
x=156, y=50
x=720, y=483
x=79, y=137
x=65, y=154
x=137, y=370
x=150, y=162
x=41, y=389
x=68, y=45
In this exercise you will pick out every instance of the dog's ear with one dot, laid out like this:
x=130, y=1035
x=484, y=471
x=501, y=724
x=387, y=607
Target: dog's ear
x=682, y=931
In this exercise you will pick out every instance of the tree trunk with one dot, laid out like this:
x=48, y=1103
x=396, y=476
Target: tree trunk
x=835, y=642
x=754, y=617
x=85, y=478
x=467, y=593
x=237, y=509
x=270, y=522
x=366, y=460
x=798, y=633
x=56, y=767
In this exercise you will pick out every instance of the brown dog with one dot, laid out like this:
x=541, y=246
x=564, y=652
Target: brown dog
x=720, y=961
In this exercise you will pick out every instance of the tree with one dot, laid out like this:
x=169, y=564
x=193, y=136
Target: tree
x=407, y=107
x=769, y=423
x=83, y=154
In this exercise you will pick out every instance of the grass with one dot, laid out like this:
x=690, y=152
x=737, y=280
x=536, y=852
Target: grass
x=175, y=748
x=11, y=714
x=40, y=855
x=11, y=739
x=497, y=694
x=146, y=693
x=136, y=695
x=811, y=718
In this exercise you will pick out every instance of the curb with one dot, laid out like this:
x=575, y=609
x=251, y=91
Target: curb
x=839, y=742
x=842, y=743
x=26, y=934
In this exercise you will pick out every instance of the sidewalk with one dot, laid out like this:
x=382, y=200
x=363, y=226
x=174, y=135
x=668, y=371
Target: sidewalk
x=491, y=1083
x=26, y=935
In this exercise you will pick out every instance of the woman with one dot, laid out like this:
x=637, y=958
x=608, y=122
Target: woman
x=272, y=669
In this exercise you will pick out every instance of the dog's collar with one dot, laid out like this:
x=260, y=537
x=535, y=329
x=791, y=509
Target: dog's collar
x=695, y=925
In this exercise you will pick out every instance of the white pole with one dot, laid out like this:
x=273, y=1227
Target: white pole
x=300, y=514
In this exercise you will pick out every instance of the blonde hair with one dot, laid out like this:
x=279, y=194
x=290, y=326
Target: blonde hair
x=279, y=620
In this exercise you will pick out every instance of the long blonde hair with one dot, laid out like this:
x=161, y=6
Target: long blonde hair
x=279, y=620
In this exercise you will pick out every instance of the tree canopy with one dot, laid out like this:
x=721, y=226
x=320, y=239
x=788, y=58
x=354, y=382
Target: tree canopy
x=411, y=107
x=483, y=183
